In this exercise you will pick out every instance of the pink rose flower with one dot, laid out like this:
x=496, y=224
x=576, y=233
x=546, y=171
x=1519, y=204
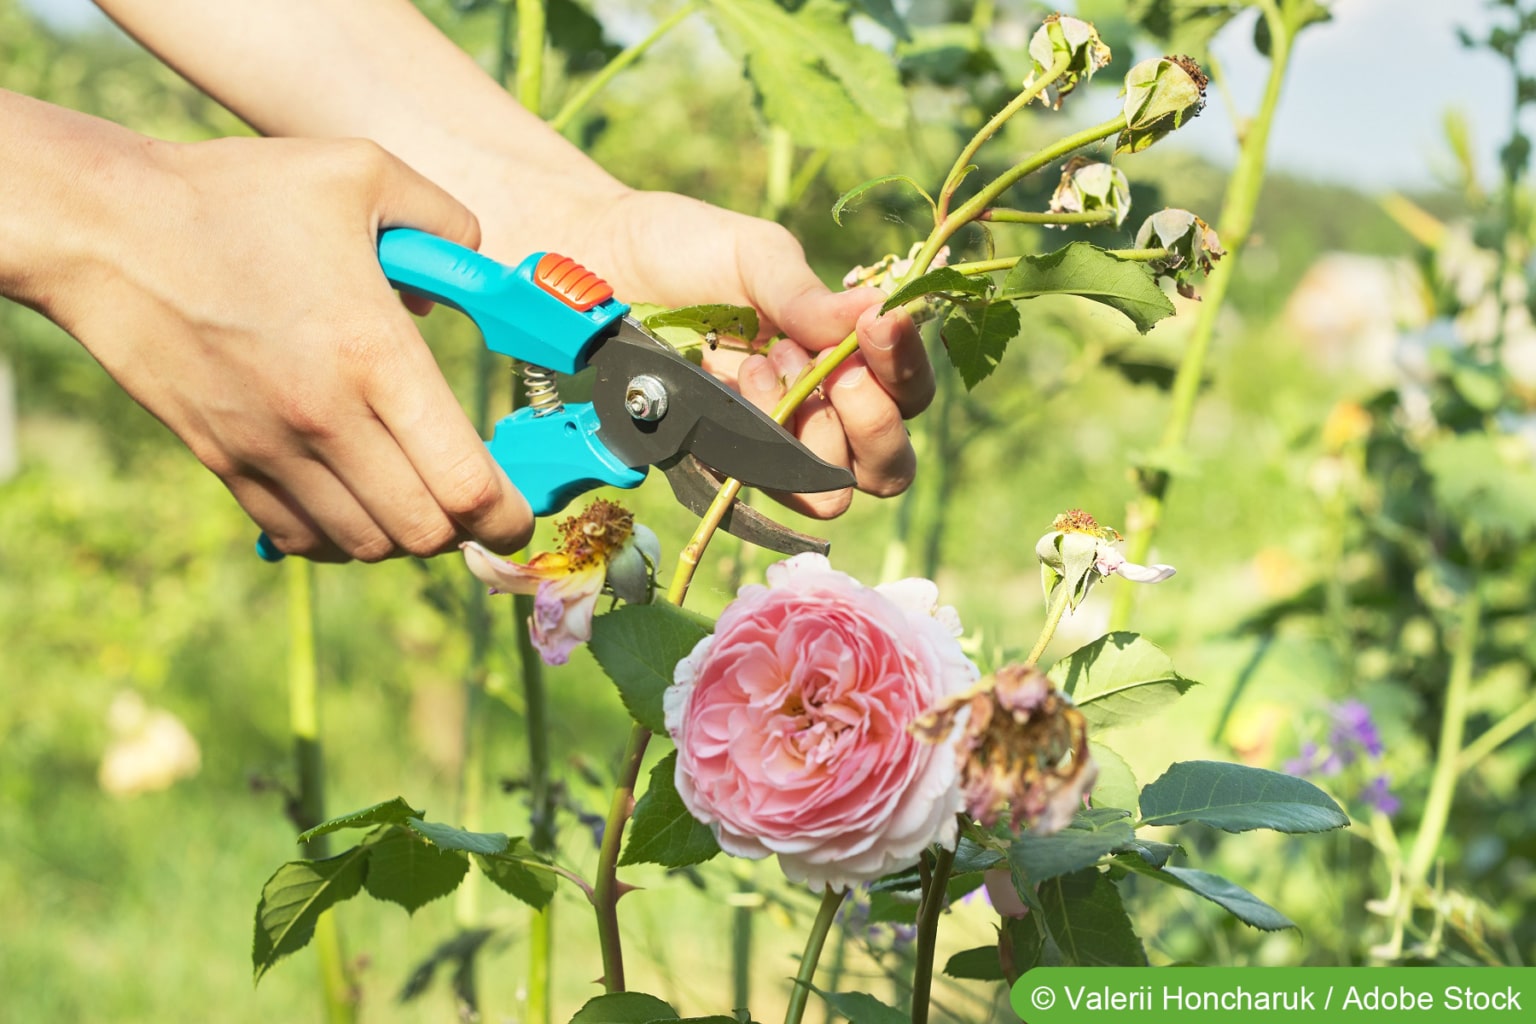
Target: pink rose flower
x=792, y=723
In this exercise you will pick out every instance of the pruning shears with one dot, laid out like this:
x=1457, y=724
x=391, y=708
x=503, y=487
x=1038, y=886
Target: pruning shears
x=650, y=406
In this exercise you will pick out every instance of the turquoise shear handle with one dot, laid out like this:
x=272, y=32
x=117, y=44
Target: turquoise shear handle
x=549, y=311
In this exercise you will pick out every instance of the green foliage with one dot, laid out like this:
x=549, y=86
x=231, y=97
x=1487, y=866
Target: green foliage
x=1086, y=270
x=1231, y=897
x=858, y=190
x=730, y=321
x=1088, y=923
x=1119, y=679
x=638, y=646
x=1116, y=785
x=978, y=964
x=811, y=78
x=663, y=832
x=449, y=838
x=294, y=898
x=520, y=871
x=975, y=336
x=945, y=282
x=1486, y=484
x=861, y=1007
x=1237, y=798
x=1090, y=836
x=405, y=868
x=389, y=812
x=624, y=1008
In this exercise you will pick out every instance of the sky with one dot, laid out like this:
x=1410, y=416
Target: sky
x=1364, y=103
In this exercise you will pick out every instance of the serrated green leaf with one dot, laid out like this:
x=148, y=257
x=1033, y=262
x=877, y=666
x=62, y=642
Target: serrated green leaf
x=623, y=1008
x=976, y=337
x=294, y=898
x=1086, y=270
x=1116, y=785
x=1086, y=918
x=1228, y=895
x=858, y=190
x=943, y=281
x=861, y=1007
x=1091, y=836
x=979, y=964
x=390, y=812
x=404, y=868
x=1151, y=851
x=810, y=75
x=522, y=872
x=638, y=646
x=735, y=321
x=1237, y=798
x=662, y=831
x=1119, y=679
x=449, y=838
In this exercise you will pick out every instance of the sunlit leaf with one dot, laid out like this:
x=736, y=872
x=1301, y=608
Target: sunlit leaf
x=390, y=812
x=449, y=838
x=520, y=871
x=732, y=321
x=404, y=868
x=943, y=281
x=1086, y=270
x=862, y=1008
x=1237, y=798
x=624, y=1008
x=1119, y=679
x=1116, y=785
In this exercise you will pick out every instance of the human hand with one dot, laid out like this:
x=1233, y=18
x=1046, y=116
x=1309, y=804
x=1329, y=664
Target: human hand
x=666, y=248
x=235, y=292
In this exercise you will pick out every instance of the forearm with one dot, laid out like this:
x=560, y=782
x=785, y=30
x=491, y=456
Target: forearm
x=62, y=177
x=378, y=69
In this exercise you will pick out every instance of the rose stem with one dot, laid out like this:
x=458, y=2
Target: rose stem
x=1003, y=215
x=934, y=894
x=1145, y=512
x=1058, y=607
x=308, y=806
x=609, y=71
x=605, y=887
x=830, y=900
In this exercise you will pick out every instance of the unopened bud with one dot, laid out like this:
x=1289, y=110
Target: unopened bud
x=1079, y=41
x=1192, y=245
x=1089, y=185
x=1161, y=93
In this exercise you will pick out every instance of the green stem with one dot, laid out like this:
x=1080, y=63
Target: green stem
x=530, y=53
x=1242, y=200
x=1453, y=722
x=781, y=172
x=605, y=888
x=541, y=802
x=962, y=163
x=742, y=917
x=609, y=71
x=830, y=901
x=934, y=895
x=1496, y=736
x=337, y=985
x=1057, y=609
x=1003, y=215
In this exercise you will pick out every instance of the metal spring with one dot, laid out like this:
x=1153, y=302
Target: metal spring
x=539, y=390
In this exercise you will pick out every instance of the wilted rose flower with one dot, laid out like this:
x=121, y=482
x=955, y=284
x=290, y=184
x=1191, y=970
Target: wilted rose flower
x=792, y=723
x=1191, y=243
x=602, y=544
x=1074, y=38
x=1023, y=749
x=1078, y=552
x=1088, y=185
x=887, y=272
x=1161, y=93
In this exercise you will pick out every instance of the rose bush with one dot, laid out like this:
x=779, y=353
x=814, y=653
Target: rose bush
x=792, y=723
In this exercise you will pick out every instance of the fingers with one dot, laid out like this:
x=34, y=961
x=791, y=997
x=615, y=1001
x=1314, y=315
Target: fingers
x=403, y=198
x=893, y=350
x=763, y=381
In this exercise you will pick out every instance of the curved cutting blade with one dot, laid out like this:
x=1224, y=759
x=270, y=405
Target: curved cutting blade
x=695, y=488
x=703, y=418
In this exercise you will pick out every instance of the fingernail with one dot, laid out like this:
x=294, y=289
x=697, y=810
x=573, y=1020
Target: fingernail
x=880, y=340
x=756, y=374
x=853, y=378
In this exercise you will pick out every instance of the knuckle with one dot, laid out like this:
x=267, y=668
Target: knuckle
x=472, y=492
x=372, y=549
x=429, y=539
x=360, y=159
x=892, y=478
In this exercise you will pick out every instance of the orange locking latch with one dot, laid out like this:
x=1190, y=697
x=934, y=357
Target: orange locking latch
x=570, y=282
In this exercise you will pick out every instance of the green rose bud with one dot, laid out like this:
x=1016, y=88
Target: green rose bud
x=1191, y=243
x=1079, y=41
x=1161, y=93
x=1088, y=185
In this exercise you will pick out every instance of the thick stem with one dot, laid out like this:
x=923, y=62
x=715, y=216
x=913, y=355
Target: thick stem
x=743, y=915
x=541, y=802
x=1496, y=736
x=1145, y=512
x=1003, y=215
x=609, y=71
x=934, y=897
x=830, y=901
x=530, y=53
x=1453, y=722
x=1053, y=616
x=605, y=888
x=337, y=985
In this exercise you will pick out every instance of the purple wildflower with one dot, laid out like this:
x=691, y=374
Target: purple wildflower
x=1353, y=727
x=1378, y=794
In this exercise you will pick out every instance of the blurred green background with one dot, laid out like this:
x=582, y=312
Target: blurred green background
x=126, y=575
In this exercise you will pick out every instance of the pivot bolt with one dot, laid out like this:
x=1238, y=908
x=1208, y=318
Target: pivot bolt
x=646, y=398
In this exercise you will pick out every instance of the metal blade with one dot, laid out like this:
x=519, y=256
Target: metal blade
x=699, y=416
x=696, y=488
